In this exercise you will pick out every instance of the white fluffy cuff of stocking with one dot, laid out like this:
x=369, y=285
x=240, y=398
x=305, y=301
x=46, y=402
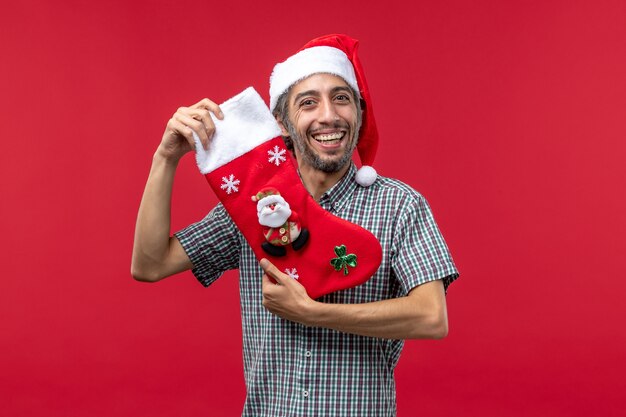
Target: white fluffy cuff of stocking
x=247, y=123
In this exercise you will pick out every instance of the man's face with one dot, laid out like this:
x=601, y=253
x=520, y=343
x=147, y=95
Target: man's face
x=323, y=122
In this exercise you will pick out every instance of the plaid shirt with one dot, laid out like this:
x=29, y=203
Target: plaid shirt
x=293, y=370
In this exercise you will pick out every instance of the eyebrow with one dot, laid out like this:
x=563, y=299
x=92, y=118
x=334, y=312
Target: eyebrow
x=305, y=93
x=316, y=93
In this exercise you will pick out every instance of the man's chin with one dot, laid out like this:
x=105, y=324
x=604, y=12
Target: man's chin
x=331, y=165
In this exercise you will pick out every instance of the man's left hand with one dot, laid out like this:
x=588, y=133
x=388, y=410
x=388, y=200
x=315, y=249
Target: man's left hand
x=285, y=296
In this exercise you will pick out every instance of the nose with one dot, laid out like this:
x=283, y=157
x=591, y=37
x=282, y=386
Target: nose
x=327, y=112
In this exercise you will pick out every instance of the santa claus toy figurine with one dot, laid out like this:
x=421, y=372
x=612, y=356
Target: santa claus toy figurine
x=281, y=225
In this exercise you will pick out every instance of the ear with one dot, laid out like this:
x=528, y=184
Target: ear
x=283, y=130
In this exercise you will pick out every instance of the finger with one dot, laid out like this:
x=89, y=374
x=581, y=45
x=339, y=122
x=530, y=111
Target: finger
x=204, y=116
x=179, y=129
x=272, y=271
x=211, y=106
x=267, y=283
x=195, y=125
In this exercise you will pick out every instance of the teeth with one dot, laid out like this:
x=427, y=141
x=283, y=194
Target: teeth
x=328, y=137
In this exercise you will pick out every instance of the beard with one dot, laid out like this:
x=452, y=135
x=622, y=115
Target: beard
x=313, y=159
x=276, y=217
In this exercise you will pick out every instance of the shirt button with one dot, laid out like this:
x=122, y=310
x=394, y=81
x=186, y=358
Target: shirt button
x=284, y=238
x=336, y=205
x=282, y=230
x=305, y=393
x=307, y=353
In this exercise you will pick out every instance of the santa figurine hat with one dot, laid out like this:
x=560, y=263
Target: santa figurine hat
x=337, y=55
x=265, y=192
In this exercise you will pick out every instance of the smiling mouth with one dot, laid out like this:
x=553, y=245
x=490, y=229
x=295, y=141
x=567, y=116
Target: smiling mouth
x=329, y=137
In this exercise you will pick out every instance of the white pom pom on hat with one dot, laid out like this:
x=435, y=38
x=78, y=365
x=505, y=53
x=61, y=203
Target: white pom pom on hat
x=333, y=54
x=366, y=176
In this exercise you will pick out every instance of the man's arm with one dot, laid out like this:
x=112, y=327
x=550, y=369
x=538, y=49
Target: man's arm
x=422, y=314
x=156, y=254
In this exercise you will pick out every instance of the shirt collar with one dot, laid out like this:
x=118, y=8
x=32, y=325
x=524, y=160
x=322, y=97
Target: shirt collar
x=339, y=194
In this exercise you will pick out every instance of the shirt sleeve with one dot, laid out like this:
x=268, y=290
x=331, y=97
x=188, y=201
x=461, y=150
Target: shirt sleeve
x=212, y=245
x=419, y=252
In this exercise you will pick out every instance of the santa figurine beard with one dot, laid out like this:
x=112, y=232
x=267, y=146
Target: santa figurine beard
x=273, y=211
x=281, y=225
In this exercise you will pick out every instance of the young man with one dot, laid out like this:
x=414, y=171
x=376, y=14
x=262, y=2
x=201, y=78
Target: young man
x=335, y=355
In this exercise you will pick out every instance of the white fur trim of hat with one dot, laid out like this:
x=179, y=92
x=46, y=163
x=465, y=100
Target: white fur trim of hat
x=315, y=60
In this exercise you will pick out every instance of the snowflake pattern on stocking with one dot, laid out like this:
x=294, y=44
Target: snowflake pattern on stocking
x=277, y=155
x=230, y=184
x=292, y=272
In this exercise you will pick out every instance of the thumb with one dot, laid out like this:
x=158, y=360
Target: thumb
x=271, y=270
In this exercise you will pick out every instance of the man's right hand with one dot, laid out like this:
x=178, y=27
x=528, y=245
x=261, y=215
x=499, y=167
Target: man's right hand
x=156, y=254
x=178, y=137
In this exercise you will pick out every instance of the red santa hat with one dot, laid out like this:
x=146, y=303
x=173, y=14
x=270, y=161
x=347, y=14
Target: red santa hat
x=264, y=192
x=337, y=55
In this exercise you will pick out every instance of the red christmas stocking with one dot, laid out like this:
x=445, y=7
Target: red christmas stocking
x=255, y=178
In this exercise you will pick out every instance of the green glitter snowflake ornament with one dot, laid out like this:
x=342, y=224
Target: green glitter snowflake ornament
x=343, y=261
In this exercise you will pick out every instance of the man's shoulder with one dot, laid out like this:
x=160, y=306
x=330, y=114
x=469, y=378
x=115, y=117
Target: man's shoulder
x=392, y=187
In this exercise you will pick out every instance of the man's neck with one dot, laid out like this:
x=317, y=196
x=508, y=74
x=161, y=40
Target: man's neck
x=318, y=182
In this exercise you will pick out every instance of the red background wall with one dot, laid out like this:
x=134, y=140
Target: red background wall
x=508, y=116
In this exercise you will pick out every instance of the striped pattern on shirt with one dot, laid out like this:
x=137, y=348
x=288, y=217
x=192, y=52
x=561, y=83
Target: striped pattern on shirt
x=293, y=370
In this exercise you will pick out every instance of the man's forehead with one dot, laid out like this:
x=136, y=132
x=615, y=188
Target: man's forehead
x=319, y=83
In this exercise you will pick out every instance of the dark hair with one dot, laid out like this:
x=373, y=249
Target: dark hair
x=281, y=112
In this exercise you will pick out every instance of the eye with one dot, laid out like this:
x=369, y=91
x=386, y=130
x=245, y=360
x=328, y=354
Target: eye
x=342, y=97
x=307, y=102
